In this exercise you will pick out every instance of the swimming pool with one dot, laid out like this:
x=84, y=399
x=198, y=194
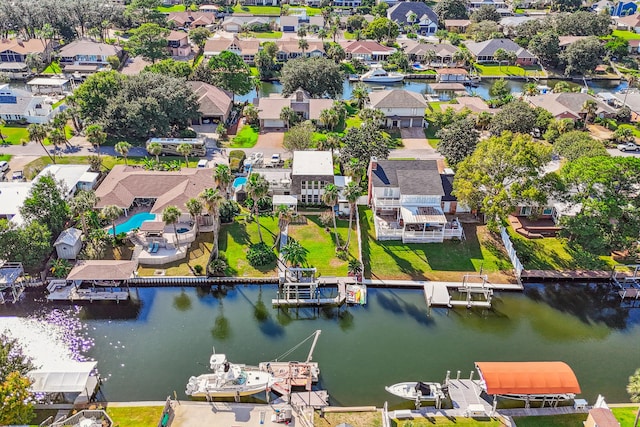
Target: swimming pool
x=133, y=222
x=241, y=180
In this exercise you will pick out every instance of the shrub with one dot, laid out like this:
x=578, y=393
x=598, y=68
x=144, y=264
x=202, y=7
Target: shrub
x=235, y=165
x=198, y=269
x=260, y=254
x=188, y=133
x=228, y=210
x=326, y=218
x=237, y=154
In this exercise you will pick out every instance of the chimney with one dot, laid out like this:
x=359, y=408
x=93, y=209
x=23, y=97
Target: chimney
x=374, y=163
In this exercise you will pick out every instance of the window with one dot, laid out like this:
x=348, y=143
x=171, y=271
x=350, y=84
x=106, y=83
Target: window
x=547, y=211
x=525, y=210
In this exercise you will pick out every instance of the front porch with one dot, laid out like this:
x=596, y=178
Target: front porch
x=416, y=224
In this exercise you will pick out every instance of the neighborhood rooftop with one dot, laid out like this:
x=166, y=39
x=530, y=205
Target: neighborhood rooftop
x=416, y=177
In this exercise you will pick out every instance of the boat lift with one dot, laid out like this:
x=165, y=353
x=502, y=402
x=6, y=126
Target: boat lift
x=471, y=292
x=627, y=281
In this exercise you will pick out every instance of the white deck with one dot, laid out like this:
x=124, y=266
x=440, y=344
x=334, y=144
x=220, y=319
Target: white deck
x=71, y=293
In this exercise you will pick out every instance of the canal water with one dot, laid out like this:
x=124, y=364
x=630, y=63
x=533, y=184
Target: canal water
x=148, y=350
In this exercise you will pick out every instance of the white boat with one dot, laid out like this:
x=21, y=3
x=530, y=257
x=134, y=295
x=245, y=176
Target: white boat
x=425, y=392
x=228, y=380
x=380, y=75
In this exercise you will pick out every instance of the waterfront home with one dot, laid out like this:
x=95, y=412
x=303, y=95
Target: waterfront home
x=566, y=41
x=49, y=85
x=69, y=243
x=87, y=56
x=290, y=49
x=261, y=2
x=455, y=75
x=178, y=43
x=234, y=24
x=307, y=108
x=190, y=19
x=503, y=8
x=417, y=51
x=401, y=108
x=410, y=13
x=485, y=51
x=601, y=417
x=310, y=174
x=347, y=3
x=406, y=199
x=14, y=52
x=475, y=104
x=569, y=105
x=18, y=105
x=631, y=100
x=631, y=23
x=542, y=221
x=214, y=104
x=457, y=25
x=289, y=24
x=246, y=49
x=366, y=50
x=620, y=8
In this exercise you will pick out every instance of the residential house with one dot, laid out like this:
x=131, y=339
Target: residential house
x=347, y=3
x=18, y=105
x=178, y=42
x=569, y=105
x=602, y=5
x=457, y=25
x=366, y=50
x=316, y=21
x=87, y=56
x=410, y=13
x=452, y=75
x=631, y=23
x=14, y=52
x=485, y=51
x=406, y=199
x=566, y=41
x=509, y=24
x=634, y=47
x=502, y=7
x=191, y=19
x=290, y=49
x=402, y=108
x=246, y=49
x=261, y=2
x=620, y=8
x=601, y=417
x=443, y=53
x=306, y=107
x=214, y=104
x=310, y=174
x=234, y=24
x=631, y=100
x=475, y=104
x=535, y=222
x=69, y=243
x=289, y=24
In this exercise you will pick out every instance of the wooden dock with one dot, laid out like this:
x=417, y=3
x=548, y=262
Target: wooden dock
x=464, y=393
x=72, y=293
x=315, y=398
x=591, y=275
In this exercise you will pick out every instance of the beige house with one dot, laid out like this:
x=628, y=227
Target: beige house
x=402, y=108
x=474, y=104
x=366, y=50
x=214, y=104
x=307, y=108
x=14, y=52
x=178, y=42
x=246, y=49
x=87, y=56
x=569, y=105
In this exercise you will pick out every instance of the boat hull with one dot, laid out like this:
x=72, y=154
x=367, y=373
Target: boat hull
x=396, y=79
x=407, y=390
x=212, y=386
x=227, y=393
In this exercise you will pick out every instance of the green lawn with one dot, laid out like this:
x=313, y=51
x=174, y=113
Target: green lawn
x=68, y=130
x=53, y=68
x=5, y=157
x=354, y=122
x=321, y=244
x=135, y=416
x=508, y=70
x=235, y=239
x=431, y=261
x=267, y=35
x=554, y=253
x=199, y=252
x=625, y=415
x=349, y=36
x=174, y=8
x=247, y=137
x=627, y=35
x=257, y=10
x=15, y=134
x=565, y=420
x=447, y=421
x=430, y=134
x=59, y=103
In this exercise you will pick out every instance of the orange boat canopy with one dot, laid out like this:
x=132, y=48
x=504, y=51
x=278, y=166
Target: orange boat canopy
x=542, y=378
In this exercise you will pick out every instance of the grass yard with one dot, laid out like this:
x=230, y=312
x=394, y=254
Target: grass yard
x=135, y=416
x=267, y=35
x=247, y=137
x=447, y=261
x=198, y=255
x=627, y=35
x=53, y=68
x=555, y=253
x=447, y=421
x=257, y=10
x=15, y=134
x=5, y=157
x=509, y=70
x=235, y=239
x=625, y=415
x=349, y=36
x=355, y=419
x=430, y=134
x=565, y=420
x=321, y=244
x=68, y=130
x=174, y=8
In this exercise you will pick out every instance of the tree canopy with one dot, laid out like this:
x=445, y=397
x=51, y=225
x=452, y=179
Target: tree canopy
x=318, y=76
x=299, y=137
x=575, y=144
x=458, y=140
x=451, y=9
x=46, y=204
x=170, y=67
x=361, y=143
x=230, y=72
x=382, y=29
x=149, y=40
x=486, y=13
x=502, y=171
x=516, y=116
x=582, y=56
x=16, y=406
x=546, y=46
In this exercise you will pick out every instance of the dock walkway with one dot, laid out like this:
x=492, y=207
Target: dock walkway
x=464, y=393
x=599, y=275
x=420, y=284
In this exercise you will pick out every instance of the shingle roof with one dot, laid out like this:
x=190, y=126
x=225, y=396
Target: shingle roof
x=270, y=108
x=413, y=177
x=103, y=270
x=182, y=18
x=568, y=102
x=474, y=103
x=176, y=35
x=289, y=46
x=88, y=47
x=211, y=100
x=401, y=11
x=365, y=46
x=68, y=237
x=396, y=98
x=23, y=47
x=412, y=47
x=489, y=47
x=247, y=47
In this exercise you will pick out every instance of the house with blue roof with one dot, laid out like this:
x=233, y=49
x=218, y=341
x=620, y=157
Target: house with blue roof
x=409, y=13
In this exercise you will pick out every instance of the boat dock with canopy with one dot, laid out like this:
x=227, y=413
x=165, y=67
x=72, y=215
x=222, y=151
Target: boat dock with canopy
x=73, y=382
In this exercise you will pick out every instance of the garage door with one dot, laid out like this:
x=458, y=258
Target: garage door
x=233, y=28
x=289, y=29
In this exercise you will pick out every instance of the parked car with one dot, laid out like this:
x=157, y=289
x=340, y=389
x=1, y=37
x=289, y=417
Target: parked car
x=275, y=160
x=202, y=163
x=629, y=146
x=17, y=176
x=4, y=166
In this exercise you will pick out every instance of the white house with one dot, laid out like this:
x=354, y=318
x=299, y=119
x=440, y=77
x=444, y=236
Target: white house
x=406, y=199
x=69, y=243
x=402, y=109
x=20, y=105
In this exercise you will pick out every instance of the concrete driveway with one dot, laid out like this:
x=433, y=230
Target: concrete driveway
x=270, y=141
x=194, y=414
x=416, y=146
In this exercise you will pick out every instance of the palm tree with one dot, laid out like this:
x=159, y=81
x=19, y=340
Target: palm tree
x=38, y=133
x=590, y=107
x=500, y=55
x=322, y=33
x=171, y=215
x=194, y=206
x=302, y=31
x=212, y=199
x=356, y=169
x=257, y=188
x=294, y=253
x=331, y=143
x=351, y=193
x=185, y=149
x=83, y=202
x=60, y=122
x=155, y=149
x=354, y=267
x=303, y=44
x=430, y=56
x=531, y=89
x=330, y=118
x=633, y=388
x=624, y=134
x=123, y=148
x=288, y=116
x=360, y=94
x=330, y=198
x=96, y=136
x=111, y=213
x=223, y=178
x=284, y=218
x=440, y=34
x=257, y=85
x=56, y=137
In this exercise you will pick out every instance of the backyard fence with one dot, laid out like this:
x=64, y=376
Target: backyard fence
x=511, y=251
x=197, y=281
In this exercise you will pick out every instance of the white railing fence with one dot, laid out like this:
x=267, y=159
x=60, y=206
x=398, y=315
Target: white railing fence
x=511, y=251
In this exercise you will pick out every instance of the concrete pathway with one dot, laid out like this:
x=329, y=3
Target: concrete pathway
x=197, y=414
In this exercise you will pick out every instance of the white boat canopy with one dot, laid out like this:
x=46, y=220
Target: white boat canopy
x=63, y=377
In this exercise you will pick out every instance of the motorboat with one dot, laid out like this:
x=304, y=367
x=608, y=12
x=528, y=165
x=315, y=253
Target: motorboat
x=380, y=75
x=228, y=380
x=422, y=391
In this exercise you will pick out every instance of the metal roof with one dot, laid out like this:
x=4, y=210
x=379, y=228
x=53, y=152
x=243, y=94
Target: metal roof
x=542, y=378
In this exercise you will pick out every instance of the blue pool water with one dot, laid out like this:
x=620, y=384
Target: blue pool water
x=241, y=180
x=133, y=222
